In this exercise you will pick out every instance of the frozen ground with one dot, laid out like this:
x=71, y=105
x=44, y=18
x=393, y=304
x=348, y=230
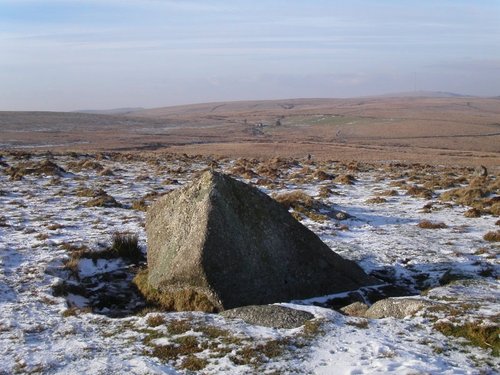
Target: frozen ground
x=43, y=217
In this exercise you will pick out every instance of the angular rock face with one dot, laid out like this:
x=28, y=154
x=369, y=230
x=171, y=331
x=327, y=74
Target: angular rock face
x=225, y=241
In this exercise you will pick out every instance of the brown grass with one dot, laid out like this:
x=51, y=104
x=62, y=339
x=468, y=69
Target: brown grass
x=104, y=200
x=155, y=320
x=472, y=213
x=426, y=224
x=193, y=363
x=375, y=200
x=464, y=196
x=184, y=299
x=370, y=137
x=295, y=199
x=389, y=193
x=484, y=336
x=492, y=236
x=419, y=192
x=140, y=205
x=345, y=179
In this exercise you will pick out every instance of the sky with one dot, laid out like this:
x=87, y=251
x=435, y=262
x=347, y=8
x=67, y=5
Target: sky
x=99, y=54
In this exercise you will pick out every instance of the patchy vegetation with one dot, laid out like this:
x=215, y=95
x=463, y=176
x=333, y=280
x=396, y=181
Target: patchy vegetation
x=174, y=300
x=67, y=289
x=426, y=224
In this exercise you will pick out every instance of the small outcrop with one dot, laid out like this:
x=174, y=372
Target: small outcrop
x=398, y=308
x=226, y=243
x=355, y=309
x=273, y=316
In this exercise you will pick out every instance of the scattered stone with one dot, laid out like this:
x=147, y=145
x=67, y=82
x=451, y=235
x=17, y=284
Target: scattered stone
x=355, y=309
x=232, y=243
x=398, y=308
x=339, y=215
x=273, y=316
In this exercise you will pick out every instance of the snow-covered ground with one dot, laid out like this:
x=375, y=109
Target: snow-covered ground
x=43, y=217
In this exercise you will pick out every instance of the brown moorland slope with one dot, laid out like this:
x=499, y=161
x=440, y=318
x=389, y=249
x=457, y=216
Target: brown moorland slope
x=446, y=130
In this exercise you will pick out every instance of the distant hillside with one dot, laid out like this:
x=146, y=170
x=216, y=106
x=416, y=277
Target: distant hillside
x=424, y=94
x=114, y=111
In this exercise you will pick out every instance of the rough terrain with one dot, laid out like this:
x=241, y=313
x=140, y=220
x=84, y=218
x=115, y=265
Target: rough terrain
x=424, y=230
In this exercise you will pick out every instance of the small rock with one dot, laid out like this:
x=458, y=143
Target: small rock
x=398, y=308
x=273, y=316
x=355, y=309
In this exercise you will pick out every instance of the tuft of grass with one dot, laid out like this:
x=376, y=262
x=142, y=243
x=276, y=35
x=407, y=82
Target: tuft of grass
x=345, y=179
x=302, y=204
x=389, y=193
x=185, y=345
x=257, y=354
x=464, y=196
x=295, y=199
x=155, y=320
x=178, y=327
x=420, y=192
x=325, y=191
x=426, y=224
x=193, y=363
x=492, y=236
x=375, y=200
x=126, y=246
x=322, y=175
x=484, y=336
x=140, y=205
x=104, y=200
x=473, y=212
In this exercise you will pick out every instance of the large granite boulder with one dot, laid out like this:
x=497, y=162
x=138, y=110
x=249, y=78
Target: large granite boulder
x=227, y=244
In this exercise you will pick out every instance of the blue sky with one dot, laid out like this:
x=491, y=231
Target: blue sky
x=75, y=54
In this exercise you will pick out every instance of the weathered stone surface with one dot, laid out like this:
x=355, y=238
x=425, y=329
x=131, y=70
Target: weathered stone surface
x=273, y=316
x=396, y=308
x=355, y=309
x=234, y=244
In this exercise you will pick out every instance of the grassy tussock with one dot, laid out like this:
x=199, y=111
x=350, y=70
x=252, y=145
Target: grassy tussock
x=185, y=299
x=140, y=205
x=155, y=320
x=419, y=192
x=484, y=336
x=345, y=179
x=104, y=200
x=124, y=245
x=376, y=200
x=472, y=213
x=242, y=171
x=295, y=199
x=426, y=224
x=322, y=175
x=464, y=196
x=302, y=204
x=492, y=236
x=388, y=193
